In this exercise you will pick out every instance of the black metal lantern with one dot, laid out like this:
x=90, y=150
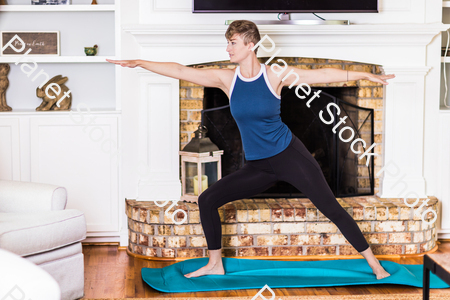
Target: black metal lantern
x=200, y=158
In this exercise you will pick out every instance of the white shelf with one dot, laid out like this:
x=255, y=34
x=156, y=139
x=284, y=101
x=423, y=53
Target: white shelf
x=56, y=59
x=76, y=61
x=447, y=58
x=34, y=112
x=75, y=7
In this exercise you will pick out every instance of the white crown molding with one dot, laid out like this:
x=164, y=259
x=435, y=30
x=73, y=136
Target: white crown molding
x=214, y=35
x=393, y=44
x=405, y=70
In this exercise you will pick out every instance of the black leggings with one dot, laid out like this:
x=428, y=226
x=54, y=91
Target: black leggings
x=294, y=165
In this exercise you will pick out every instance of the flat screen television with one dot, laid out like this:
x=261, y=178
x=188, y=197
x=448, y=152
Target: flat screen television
x=284, y=6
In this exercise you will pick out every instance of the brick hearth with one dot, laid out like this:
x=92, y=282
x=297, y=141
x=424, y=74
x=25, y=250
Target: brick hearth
x=280, y=227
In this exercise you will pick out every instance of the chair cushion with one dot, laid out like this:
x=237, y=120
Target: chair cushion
x=32, y=233
x=56, y=254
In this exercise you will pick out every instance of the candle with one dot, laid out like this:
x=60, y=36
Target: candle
x=204, y=184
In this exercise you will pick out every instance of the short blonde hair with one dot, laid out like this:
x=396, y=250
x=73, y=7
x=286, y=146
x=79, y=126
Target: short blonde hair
x=247, y=30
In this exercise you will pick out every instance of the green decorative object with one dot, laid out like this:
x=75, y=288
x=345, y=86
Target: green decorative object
x=91, y=51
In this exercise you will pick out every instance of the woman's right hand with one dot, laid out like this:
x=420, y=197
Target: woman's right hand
x=124, y=63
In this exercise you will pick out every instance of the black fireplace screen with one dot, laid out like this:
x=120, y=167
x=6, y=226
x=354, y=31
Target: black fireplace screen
x=346, y=174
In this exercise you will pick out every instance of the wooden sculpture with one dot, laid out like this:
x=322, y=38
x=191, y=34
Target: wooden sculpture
x=4, y=83
x=50, y=104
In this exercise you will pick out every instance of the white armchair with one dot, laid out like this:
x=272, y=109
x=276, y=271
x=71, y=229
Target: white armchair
x=21, y=279
x=35, y=225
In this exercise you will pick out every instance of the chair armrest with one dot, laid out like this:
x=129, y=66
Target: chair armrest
x=22, y=196
x=21, y=276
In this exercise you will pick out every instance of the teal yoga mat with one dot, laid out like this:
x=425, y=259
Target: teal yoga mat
x=255, y=274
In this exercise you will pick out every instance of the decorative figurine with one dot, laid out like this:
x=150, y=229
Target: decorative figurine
x=91, y=51
x=50, y=104
x=4, y=83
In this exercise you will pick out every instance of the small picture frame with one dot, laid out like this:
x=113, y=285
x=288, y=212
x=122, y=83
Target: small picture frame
x=40, y=43
x=51, y=2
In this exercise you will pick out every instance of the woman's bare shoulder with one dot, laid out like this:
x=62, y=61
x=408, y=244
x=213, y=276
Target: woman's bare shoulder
x=227, y=74
x=230, y=69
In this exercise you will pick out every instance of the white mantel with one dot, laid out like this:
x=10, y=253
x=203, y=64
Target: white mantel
x=409, y=51
x=382, y=44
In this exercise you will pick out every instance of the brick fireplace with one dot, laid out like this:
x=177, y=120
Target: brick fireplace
x=169, y=112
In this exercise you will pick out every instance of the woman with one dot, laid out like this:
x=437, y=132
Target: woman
x=272, y=152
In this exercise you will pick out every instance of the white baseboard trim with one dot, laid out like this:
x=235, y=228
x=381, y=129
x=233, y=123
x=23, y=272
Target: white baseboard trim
x=123, y=239
x=443, y=235
x=102, y=239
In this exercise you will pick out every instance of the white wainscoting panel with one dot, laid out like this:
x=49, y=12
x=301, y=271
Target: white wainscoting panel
x=159, y=134
x=444, y=174
x=68, y=152
x=9, y=149
x=403, y=133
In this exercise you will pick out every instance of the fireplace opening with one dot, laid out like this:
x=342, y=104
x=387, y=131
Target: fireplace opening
x=340, y=165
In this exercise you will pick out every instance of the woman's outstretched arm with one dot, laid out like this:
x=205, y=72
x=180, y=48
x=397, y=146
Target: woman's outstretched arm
x=204, y=77
x=329, y=75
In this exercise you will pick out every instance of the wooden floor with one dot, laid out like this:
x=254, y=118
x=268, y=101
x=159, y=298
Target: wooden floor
x=112, y=273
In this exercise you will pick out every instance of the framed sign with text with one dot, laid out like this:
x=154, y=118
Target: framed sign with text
x=40, y=42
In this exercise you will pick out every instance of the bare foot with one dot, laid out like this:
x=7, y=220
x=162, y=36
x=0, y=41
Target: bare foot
x=379, y=271
x=207, y=270
x=377, y=268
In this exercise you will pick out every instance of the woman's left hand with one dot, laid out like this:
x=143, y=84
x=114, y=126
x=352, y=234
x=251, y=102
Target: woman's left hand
x=380, y=78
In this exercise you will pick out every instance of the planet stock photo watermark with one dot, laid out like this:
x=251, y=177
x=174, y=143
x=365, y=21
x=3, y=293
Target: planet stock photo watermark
x=96, y=134
x=260, y=295
x=316, y=94
x=24, y=289
x=402, y=194
x=15, y=293
x=306, y=89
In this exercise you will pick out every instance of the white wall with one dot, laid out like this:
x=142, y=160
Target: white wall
x=390, y=11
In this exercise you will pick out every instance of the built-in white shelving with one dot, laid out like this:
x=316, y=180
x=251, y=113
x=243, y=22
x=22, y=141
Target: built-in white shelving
x=56, y=146
x=55, y=59
x=104, y=7
x=73, y=110
x=79, y=25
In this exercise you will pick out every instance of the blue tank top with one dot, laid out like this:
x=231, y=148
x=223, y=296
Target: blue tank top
x=256, y=109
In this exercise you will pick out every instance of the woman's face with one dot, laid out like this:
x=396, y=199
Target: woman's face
x=237, y=50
